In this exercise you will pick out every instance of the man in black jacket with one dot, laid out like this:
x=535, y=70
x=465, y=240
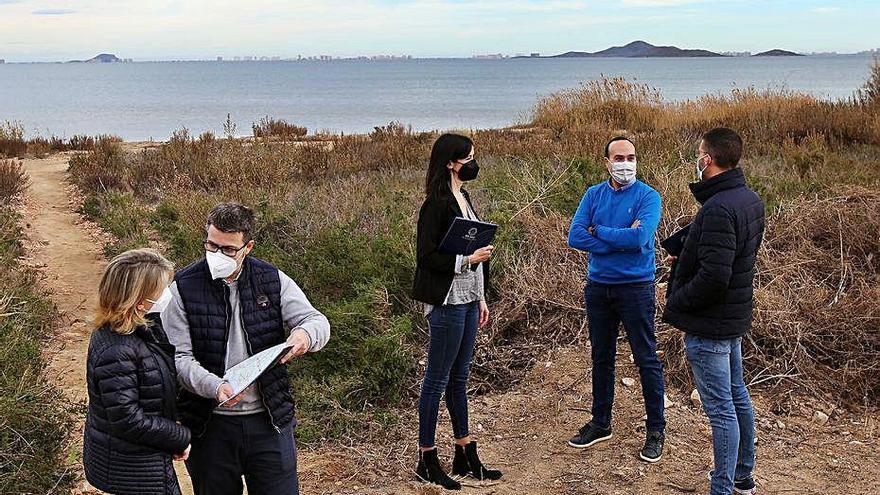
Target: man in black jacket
x=710, y=298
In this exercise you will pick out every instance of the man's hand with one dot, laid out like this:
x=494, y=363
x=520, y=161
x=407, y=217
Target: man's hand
x=636, y=224
x=484, y=313
x=670, y=260
x=225, y=392
x=300, y=341
x=183, y=456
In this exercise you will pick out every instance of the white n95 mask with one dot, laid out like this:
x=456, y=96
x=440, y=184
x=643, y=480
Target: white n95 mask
x=623, y=172
x=162, y=302
x=221, y=266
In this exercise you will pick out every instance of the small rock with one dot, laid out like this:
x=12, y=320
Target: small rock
x=820, y=417
x=695, y=399
x=668, y=403
x=632, y=359
x=780, y=424
x=629, y=382
x=479, y=426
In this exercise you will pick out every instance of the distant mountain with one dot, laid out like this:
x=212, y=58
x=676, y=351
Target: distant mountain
x=641, y=49
x=103, y=58
x=777, y=53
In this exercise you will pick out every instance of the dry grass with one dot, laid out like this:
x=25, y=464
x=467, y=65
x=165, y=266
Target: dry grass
x=13, y=180
x=277, y=128
x=12, y=143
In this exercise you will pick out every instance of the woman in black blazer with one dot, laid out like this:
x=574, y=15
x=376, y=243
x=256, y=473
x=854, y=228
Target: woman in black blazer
x=131, y=433
x=452, y=289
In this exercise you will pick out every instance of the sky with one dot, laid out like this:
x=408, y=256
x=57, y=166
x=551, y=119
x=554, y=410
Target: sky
x=54, y=30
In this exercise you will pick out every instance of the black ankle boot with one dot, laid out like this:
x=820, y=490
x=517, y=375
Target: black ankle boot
x=467, y=463
x=429, y=471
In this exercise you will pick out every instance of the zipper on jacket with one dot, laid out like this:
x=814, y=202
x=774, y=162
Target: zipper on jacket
x=247, y=341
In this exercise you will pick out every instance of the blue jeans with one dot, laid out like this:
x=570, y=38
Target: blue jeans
x=633, y=305
x=718, y=373
x=453, y=329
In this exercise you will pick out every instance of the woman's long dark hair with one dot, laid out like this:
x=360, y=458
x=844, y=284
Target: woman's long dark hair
x=447, y=148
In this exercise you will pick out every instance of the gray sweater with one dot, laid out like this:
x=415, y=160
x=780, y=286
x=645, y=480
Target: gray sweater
x=296, y=311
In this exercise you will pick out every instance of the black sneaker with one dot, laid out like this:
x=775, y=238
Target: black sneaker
x=653, y=449
x=589, y=435
x=741, y=487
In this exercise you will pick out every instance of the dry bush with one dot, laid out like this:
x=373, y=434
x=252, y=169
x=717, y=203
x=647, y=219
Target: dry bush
x=765, y=118
x=102, y=169
x=277, y=128
x=12, y=143
x=13, y=180
x=817, y=321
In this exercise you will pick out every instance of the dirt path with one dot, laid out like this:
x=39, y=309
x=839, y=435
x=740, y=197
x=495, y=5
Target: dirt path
x=522, y=431
x=68, y=252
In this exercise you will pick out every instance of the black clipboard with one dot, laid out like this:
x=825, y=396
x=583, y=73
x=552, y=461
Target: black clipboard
x=674, y=244
x=466, y=236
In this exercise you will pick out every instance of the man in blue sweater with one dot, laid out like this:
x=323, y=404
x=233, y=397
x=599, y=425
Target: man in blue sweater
x=615, y=223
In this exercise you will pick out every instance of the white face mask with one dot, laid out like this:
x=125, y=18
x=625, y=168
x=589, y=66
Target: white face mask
x=623, y=172
x=221, y=266
x=700, y=170
x=162, y=302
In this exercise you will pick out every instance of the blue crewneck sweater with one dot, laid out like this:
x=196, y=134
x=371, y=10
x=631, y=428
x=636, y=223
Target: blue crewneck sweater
x=619, y=254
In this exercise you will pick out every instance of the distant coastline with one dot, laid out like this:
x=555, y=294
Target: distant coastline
x=635, y=49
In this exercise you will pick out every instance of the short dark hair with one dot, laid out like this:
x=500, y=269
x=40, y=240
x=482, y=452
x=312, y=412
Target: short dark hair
x=614, y=140
x=232, y=218
x=724, y=146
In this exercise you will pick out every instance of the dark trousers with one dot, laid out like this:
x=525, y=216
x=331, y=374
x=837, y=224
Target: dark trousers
x=633, y=305
x=453, y=329
x=247, y=445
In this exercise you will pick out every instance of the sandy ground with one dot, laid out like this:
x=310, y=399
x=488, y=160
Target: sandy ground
x=523, y=431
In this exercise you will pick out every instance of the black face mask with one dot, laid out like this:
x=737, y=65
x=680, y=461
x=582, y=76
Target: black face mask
x=468, y=171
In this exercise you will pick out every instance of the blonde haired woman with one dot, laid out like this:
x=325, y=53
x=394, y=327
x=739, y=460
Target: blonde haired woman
x=131, y=435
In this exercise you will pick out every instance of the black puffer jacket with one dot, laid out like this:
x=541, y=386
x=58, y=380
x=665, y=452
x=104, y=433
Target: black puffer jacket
x=710, y=293
x=130, y=431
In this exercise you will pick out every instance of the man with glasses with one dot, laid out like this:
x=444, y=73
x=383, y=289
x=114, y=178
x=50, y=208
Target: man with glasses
x=227, y=307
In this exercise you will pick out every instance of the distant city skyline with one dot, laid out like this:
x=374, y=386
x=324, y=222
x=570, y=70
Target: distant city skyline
x=58, y=30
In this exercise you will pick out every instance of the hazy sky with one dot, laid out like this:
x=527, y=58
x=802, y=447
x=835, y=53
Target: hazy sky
x=44, y=30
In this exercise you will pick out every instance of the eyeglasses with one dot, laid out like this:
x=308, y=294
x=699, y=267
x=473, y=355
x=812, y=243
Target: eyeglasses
x=230, y=251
